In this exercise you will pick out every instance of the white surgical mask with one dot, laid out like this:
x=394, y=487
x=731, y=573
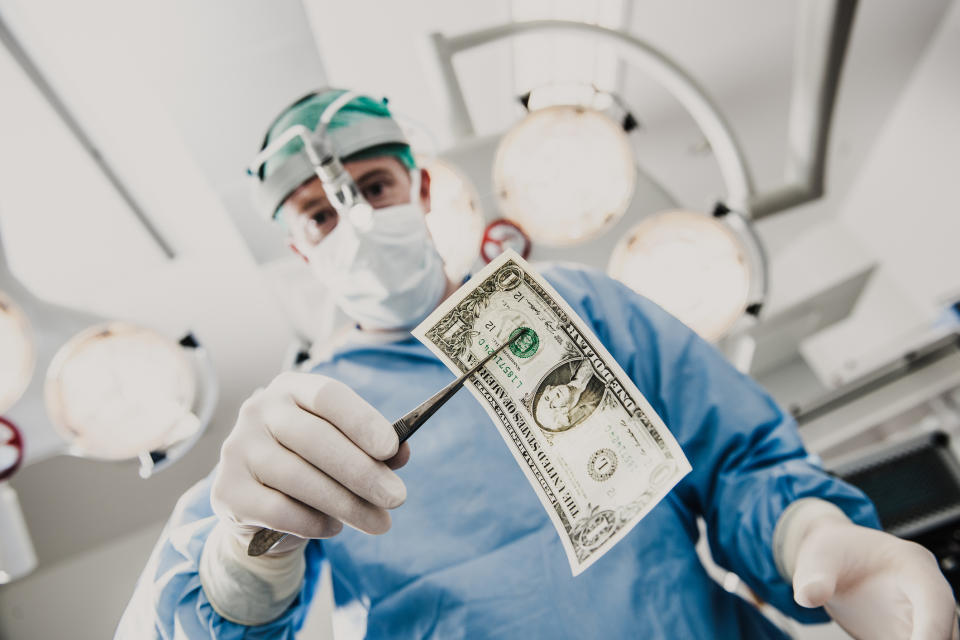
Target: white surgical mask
x=387, y=276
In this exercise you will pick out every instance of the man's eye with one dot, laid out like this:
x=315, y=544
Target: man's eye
x=322, y=217
x=374, y=190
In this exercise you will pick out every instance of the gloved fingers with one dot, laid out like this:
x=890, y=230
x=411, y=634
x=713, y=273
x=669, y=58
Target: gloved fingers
x=403, y=455
x=933, y=619
x=323, y=446
x=814, y=590
x=261, y=506
x=290, y=474
x=818, y=568
x=341, y=406
x=934, y=609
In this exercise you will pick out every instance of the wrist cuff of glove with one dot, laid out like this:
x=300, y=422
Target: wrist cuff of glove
x=794, y=524
x=248, y=590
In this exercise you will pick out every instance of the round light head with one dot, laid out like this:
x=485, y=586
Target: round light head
x=16, y=345
x=455, y=220
x=117, y=391
x=690, y=264
x=564, y=174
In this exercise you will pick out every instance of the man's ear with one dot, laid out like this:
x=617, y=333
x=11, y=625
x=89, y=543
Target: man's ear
x=293, y=247
x=425, y=190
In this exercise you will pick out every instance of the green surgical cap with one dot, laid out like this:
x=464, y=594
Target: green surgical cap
x=360, y=113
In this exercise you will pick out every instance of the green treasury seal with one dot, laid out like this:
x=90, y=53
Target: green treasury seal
x=526, y=345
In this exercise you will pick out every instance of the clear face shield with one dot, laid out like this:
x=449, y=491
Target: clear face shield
x=310, y=222
x=342, y=192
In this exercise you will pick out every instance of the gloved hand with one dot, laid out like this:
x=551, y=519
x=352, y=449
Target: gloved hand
x=306, y=455
x=873, y=584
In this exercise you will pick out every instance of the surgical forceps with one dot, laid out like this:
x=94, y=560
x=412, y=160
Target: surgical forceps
x=264, y=539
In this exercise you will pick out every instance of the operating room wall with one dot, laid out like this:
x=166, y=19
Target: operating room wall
x=903, y=208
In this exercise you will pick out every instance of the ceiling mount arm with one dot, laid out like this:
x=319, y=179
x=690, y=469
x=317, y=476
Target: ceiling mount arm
x=656, y=64
x=823, y=33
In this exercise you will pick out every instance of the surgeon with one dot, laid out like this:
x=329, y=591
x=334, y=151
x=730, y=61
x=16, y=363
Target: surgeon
x=447, y=540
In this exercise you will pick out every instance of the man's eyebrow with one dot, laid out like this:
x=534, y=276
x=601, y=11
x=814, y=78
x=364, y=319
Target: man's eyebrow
x=314, y=202
x=375, y=173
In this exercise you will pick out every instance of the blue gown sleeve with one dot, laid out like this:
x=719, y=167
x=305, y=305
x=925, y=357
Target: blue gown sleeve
x=168, y=601
x=748, y=460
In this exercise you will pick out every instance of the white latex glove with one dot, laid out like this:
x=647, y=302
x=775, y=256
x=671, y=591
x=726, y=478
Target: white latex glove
x=306, y=455
x=873, y=584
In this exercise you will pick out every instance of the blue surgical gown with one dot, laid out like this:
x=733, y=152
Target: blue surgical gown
x=472, y=553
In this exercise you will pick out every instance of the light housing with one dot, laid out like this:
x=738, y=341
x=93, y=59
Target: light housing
x=118, y=391
x=565, y=174
x=705, y=270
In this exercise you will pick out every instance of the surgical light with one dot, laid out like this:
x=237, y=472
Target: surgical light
x=455, y=220
x=16, y=347
x=564, y=174
x=691, y=264
x=119, y=391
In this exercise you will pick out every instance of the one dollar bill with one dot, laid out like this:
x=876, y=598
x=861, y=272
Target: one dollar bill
x=595, y=452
